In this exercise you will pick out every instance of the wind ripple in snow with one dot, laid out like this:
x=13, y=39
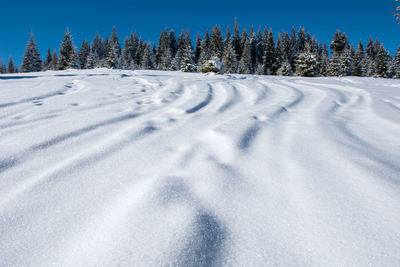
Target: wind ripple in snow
x=157, y=168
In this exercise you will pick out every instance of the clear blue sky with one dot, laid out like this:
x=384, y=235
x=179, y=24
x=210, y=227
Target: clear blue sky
x=48, y=19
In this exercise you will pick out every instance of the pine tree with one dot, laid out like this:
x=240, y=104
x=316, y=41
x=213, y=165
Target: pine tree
x=84, y=54
x=3, y=68
x=285, y=69
x=397, y=63
x=164, y=53
x=197, y=52
x=306, y=64
x=253, y=49
x=324, y=61
x=67, y=52
x=47, y=62
x=148, y=58
x=236, y=40
x=187, y=62
x=229, y=58
x=205, y=49
x=381, y=62
x=114, y=53
x=359, y=61
x=54, y=61
x=216, y=44
x=11, y=66
x=245, y=60
x=31, y=61
x=260, y=48
x=269, y=59
x=370, y=58
x=128, y=57
x=301, y=40
x=172, y=43
x=181, y=46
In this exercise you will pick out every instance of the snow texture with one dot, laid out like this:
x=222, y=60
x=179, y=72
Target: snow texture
x=146, y=168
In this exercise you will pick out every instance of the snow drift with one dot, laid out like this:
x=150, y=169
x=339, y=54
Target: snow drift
x=148, y=168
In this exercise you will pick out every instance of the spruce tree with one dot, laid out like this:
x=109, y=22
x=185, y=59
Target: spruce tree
x=84, y=54
x=3, y=68
x=114, y=53
x=397, y=63
x=359, y=61
x=253, y=49
x=187, y=62
x=236, y=40
x=229, y=58
x=197, y=52
x=67, y=57
x=269, y=59
x=260, y=48
x=324, y=66
x=381, y=62
x=205, y=49
x=306, y=64
x=181, y=46
x=216, y=44
x=54, y=61
x=245, y=60
x=31, y=61
x=148, y=58
x=172, y=43
x=47, y=62
x=285, y=69
x=11, y=66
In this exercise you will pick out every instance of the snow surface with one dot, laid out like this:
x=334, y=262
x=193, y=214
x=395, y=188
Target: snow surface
x=146, y=168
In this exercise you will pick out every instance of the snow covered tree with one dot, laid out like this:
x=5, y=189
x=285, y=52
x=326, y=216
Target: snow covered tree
x=164, y=53
x=341, y=61
x=236, y=40
x=47, y=62
x=397, y=63
x=84, y=54
x=260, y=47
x=370, y=58
x=245, y=60
x=306, y=64
x=67, y=57
x=31, y=61
x=11, y=66
x=54, y=61
x=269, y=59
x=301, y=40
x=359, y=61
x=172, y=43
x=397, y=14
x=114, y=53
x=205, y=54
x=217, y=43
x=324, y=66
x=253, y=49
x=229, y=57
x=148, y=59
x=128, y=57
x=181, y=46
x=381, y=62
x=3, y=68
x=197, y=52
x=188, y=62
x=285, y=69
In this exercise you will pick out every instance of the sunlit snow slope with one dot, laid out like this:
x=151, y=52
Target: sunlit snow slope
x=146, y=168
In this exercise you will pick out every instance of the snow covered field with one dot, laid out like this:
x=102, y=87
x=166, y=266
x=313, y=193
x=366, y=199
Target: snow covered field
x=147, y=168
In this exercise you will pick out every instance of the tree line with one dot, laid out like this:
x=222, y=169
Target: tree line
x=247, y=52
